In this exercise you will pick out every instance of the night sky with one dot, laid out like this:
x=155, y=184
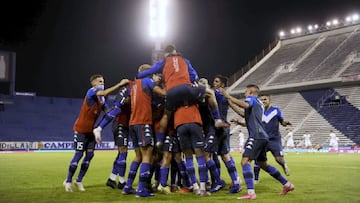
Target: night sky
x=59, y=44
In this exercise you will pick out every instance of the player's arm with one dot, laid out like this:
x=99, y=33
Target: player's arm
x=156, y=68
x=281, y=118
x=237, y=122
x=107, y=91
x=236, y=101
x=149, y=84
x=236, y=109
x=160, y=91
x=192, y=72
x=285, y=123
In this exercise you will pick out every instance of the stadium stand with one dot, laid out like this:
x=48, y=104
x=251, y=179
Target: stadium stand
x=311, y=62
x=34, y=118
x=281, y=59
x=315, y=80
x=341, y=57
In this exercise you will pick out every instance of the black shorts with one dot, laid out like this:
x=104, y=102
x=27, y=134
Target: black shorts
x=141, y=135
x=121, y=135
x=183, y=94
x=256, y=149
x=191, y=136
x=83, y=142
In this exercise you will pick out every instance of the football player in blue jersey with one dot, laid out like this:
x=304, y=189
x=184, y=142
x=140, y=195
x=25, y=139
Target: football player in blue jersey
x=255, y=147
x=271, y=120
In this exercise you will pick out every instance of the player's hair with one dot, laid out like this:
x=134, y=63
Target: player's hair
x=169, y=49
x=93, y=77
x=255, y=88
x=266, y=95
x=143, y=67
x=222, y=78
x=253, y=85
x=204, y=81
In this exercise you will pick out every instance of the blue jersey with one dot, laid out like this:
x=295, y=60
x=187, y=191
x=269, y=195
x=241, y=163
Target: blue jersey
x=272, y=118
x=254, y=117
x=223, y=104
x=92, y=98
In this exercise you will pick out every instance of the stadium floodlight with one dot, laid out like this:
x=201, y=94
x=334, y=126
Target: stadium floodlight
x=158, y=18
x=348, y=19
x=335, y=22
x=281, y=33
x=355, y=17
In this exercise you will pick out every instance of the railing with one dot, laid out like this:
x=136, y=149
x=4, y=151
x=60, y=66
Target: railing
x=233, y=78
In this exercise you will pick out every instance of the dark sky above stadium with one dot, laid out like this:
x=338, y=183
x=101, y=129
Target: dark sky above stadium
x=60, y=43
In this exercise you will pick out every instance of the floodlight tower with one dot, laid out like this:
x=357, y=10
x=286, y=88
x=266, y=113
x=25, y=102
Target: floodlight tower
x=157, y=27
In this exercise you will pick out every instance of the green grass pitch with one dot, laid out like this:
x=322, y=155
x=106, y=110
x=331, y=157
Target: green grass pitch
x=38, y=177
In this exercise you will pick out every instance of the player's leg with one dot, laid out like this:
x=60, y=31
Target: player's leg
x=178, y=156
x=145, y=134
x=197, y=142
x=262, y=160
x=256, y=172
x=128, y=189
x=287, y=186
x=224, y=150
x=248, y=175
x=252, y=150
x=89, y=146
x=160, y=135
x=211, y=146
x=121, y=134
x=165, y=165
x=164, y=170
x=79, y=151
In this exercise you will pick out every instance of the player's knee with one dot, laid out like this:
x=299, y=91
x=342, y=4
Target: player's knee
x=89, y=156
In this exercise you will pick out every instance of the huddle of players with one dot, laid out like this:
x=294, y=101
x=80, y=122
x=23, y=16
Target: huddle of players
x=194, y=125
x=191, y=119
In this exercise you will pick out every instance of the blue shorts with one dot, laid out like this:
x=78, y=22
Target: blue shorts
x=168, y=144
x=183, y=95
x=190, y=136
x=256, y=149
x=141, y=135
x=176, y=144
x=274, y=146
x=171, y=144
x=223, y=140
x=211, y=140
x=83, y=142
x=121, y=135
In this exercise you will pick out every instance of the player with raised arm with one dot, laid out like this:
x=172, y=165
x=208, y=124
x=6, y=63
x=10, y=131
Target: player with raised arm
x=255, y=148
x=121, y=138
x=112, y=113
x=84, y=139
x=141, y=131
x=179, y=77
